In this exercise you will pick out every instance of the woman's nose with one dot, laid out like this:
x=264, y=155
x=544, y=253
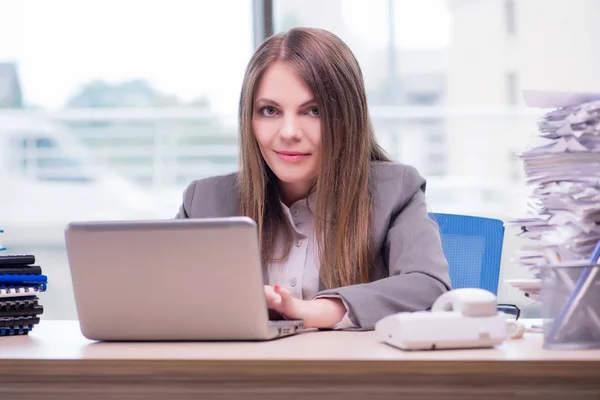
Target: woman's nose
x=290, y=128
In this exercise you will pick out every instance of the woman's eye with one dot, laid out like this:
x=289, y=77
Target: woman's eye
x=313, y=111
x=268, y=111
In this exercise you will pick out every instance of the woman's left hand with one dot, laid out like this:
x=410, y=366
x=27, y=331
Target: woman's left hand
x=317, y=313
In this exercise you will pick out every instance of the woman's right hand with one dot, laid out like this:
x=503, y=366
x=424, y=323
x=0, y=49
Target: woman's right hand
x=317, y=313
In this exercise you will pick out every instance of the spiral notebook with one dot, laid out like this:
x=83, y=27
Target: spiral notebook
x=18, y=302
x=17, y=325
x=22, y=312
x=9, y=322
x=21, y=290
x=20, y=307
x=16, y=330
x=22, y=270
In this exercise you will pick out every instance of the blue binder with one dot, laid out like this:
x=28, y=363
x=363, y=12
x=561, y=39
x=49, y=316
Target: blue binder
x=20, y=279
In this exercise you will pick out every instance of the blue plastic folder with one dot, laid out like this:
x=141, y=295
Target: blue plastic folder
x=19, y=279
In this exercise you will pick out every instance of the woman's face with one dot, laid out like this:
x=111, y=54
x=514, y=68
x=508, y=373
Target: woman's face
x=287, y=127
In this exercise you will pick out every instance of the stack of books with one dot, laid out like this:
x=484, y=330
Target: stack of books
x=562, y=168
x=20, y=283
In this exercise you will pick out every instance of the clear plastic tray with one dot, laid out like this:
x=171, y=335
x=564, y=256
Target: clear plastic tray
x=569, y=321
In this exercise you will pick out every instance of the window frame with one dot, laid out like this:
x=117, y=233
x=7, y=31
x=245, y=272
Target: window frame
x=262, y=11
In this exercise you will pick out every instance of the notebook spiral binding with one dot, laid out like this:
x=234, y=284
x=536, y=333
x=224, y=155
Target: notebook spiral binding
x=18, y=303
x=8, y=322
x=20, y=307
x=16, y=330
x=21, y=290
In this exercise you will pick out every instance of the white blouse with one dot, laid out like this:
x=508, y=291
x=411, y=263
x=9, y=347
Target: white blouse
x=299, y=273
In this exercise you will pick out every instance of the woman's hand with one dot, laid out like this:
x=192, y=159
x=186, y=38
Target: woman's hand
x=317, y=313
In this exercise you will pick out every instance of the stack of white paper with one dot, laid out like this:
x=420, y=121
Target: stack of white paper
x=562, y=167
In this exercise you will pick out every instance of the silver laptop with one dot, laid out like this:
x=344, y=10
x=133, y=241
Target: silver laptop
x=181, y=279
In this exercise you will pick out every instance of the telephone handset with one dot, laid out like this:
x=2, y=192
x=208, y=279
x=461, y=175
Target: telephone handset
x=459, y=318
x=470, y=302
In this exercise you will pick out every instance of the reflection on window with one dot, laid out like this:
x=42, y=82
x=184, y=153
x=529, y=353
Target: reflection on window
x=424, y=98
x=436, y=138
x=41, y=158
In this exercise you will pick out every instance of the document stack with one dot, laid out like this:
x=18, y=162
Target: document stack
x=20, y=283
x=562, y=168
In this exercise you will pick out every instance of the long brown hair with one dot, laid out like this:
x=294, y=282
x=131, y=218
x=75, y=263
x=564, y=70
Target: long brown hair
x=343, y=198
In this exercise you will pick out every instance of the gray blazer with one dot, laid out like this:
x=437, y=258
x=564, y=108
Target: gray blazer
x=411, y=270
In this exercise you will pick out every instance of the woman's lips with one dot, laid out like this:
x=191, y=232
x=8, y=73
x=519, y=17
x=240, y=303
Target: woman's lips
x=291, y=156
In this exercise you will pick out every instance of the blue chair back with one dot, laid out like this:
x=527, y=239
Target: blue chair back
x=473, y=248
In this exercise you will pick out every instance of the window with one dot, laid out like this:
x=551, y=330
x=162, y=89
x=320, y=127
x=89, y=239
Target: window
x=509, y=14
x=516, y=174
x=436, y=164
x=424, y=98
x=511, y=88
x=144, y=95
x=41, y=158
x=437, y=138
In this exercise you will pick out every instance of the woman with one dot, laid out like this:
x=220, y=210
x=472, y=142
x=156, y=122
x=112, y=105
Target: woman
x=344, y=233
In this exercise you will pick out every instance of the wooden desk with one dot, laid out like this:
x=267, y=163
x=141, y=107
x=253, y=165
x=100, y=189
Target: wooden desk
x=55, y=361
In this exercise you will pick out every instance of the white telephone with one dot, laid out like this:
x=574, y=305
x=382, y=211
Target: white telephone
x=459, y=318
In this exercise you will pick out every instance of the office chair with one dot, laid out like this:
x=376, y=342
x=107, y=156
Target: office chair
x=473, y=248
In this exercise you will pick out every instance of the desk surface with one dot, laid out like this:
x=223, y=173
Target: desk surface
x=62, y=340
x=55, y=352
